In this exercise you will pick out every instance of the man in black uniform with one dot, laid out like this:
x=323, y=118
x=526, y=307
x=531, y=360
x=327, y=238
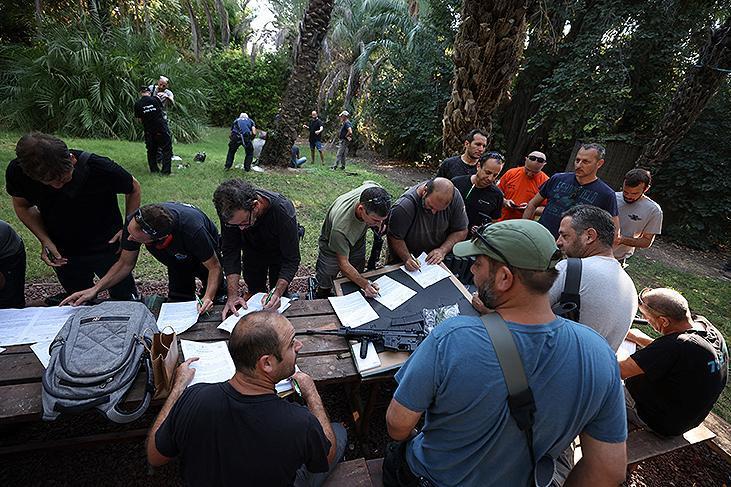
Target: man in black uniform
x=315, y=127
x=68, y=199
x=483, y=200
x=12, y=268
x=243, y=131
x=464, y=164
x=262, y=226
x=181, y=237
x=149, y=109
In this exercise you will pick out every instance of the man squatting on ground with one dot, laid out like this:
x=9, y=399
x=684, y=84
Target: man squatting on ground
x=240, y=432
x=243, y=130
x=640, y=218
x=260, y=238
x=520, y=184
x=183, y=239
x=483, y=201
x=158, y=139
x=464, y=164
x=429, y=217
x=342, y=242
x=469, y=437
x=68, y=199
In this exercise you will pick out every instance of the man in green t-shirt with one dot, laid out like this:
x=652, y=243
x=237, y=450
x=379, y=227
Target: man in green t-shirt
x=342, y=241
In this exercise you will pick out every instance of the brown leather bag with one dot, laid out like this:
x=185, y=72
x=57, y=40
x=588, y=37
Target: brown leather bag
x=165, y=356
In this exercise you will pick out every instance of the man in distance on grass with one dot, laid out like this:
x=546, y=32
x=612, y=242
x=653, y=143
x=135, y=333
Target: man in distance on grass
x=315, y=128
x=150, y=111
x=520, y=184
x=464, y=164
x=243, y=130
x=344, y=138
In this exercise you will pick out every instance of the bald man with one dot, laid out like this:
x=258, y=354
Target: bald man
x=520, y=184
x=429, y=217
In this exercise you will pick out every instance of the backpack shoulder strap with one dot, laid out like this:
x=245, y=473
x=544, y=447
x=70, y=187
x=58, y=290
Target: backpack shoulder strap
x=84, y=157
x=569, y=304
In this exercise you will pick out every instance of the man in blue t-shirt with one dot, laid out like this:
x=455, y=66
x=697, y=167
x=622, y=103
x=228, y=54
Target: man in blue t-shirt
x=469, y=437
x=565, y=190
x=344, y=137
x=243, y=131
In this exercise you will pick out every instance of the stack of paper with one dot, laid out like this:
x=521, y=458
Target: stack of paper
x=626, y=348
x=427, y=274
x=178, y=316
x=352, y=309
x=363, y=364
x=392, y=293
x=252, y=304
x=31, y=325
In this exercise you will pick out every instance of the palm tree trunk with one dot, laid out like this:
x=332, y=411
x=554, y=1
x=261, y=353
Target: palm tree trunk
x=225, y=26
x=302, y=85
x=700, y=84
x=39, y=13
x=211, y=25
x=194, y=30
x=487, y=52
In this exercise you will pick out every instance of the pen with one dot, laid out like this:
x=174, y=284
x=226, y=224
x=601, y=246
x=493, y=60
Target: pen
x=49, y=254
x=200, y=301
x=469, y=192
x=296, y=387
x=269, y=296
x=417, y=262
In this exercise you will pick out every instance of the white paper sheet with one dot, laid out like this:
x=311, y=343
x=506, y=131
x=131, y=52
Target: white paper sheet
x=215, y=363
x=626, y=348
x=352, y=309
x=428, y=274
x=179, y=316
x=392, y=293
x=370, y=362
x=286, y=385
x=41, y=351
x=2, y=349
x=252, y=304
x=31, y=325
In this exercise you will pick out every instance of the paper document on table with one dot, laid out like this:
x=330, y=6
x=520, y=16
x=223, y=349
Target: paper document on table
x=370, y=362
x=214, y=364
x=2, y=349
x=41, y=351
x=178, y=316
x=392, y=293
x=252, y=304
x=352, y=309
x=427, y=274
x=34, y=324
x=626, y=348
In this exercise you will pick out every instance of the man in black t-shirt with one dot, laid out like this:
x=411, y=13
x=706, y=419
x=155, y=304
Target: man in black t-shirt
x=483, y=200
x=149, y=109
x=243, y=131
x=673, y=382
x=12, y=268
x=240, y=432
x=344, y=138
x=260, y=236
x=182, y=238
x=68, y=199
x=315, y=128
x=465, y=164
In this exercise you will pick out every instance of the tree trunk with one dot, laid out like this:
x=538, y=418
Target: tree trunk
x=211, y=25
x=302, y=85
x=351, y=89
x=194, y=30
x=487, y=52
x=225, y=26
x=700, y=84
x=39, y=14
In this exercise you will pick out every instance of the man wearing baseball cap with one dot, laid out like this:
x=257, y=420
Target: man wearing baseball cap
x=454, y=378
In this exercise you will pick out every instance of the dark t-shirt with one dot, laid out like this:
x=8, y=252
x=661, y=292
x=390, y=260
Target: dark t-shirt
x=242, y=126
x=482, y=204
x=194, y=235
x=225, y=438
x=273, y=236
x=315, y=126
x=563, y=191
x=344, y=129
x=82, y=216
x=684, y=373
x=452, y=167
x=10, y=241
x=152, y=113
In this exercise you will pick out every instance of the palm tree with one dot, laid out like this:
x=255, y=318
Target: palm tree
x=487, y=52
x=302, y=83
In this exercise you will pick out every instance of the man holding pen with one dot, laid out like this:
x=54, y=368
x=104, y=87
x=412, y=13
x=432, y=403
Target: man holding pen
x=483, y=200
x=181, y=237
x=343, y=237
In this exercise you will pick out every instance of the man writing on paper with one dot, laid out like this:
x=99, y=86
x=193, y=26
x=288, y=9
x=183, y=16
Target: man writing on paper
x=260, y=238
x=240, y=431
x=429, y=217
x=342, y=240
x=469, y=437
x=181, y=237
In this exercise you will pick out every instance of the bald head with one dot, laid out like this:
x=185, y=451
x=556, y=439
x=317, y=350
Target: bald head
x=666, y=302
x=436, y=194
x=256, y=334
x=534, y=163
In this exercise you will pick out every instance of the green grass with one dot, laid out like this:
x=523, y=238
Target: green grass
x=312, y=189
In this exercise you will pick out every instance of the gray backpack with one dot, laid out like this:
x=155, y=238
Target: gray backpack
x=95, y=359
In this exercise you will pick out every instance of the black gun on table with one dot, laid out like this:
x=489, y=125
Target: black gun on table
x=395, y=340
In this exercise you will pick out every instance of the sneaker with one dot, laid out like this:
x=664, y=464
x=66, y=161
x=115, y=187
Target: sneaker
x=333, y=167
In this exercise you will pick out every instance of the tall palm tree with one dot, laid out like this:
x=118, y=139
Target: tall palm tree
x=302, y=83
x=487, y=52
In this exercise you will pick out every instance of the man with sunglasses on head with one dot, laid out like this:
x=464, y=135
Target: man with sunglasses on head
x=454, y=379
x=260, y=238
x=673, y=382
x=68, y=199
x=182, y=238
x=429, y=217
x=520, y=184
x=482, y=199
x=464, y=164
x=567, y=189
x=342, y=240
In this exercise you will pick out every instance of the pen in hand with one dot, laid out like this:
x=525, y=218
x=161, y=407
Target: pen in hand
x=418, y=265
x=269, y=297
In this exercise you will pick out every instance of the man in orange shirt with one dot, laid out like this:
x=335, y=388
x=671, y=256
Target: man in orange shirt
x=520, y=184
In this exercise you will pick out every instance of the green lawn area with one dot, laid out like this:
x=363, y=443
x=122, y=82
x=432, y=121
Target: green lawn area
x=312, y=190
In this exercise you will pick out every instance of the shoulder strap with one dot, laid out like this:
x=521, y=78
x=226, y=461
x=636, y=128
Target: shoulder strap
x=84, y=157
x=570, y=300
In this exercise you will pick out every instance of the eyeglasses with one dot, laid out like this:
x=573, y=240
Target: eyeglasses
x=644, y=303
x=536, y=158
x=245, y=224
x=492, y=155
x=478, y=235
x=151, y=232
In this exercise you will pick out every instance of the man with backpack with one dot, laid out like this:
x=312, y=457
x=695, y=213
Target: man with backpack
x=243, y=131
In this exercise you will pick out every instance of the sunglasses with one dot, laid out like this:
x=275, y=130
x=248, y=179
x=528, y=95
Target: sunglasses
x=478, y=235
x=144, y=226
x=644, y=303
x=536, y=158
x=492, y=155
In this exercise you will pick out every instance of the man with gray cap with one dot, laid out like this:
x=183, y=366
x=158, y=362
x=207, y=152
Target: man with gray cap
x=345, y=136
x=469, y=437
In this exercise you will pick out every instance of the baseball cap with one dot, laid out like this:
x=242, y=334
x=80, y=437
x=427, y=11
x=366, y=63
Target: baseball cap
x=525, y=244
x=344, y=113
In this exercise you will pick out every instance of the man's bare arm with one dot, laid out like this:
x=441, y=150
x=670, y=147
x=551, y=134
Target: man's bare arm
x=352, y=273
x=402, y=251
x=642, y=242
x=29, y=214
x=530, y=211
x=401, y=421
x=601, y=465
x=314, y=404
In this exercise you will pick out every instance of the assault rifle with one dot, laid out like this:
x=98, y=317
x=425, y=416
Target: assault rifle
x=395, y=340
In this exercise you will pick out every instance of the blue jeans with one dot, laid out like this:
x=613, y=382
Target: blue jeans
x=305, y=478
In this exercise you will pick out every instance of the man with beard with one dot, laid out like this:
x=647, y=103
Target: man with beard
x=640, y=218
x=464, y=164
x=469, y=437
x=240, y=431
x=483, y=200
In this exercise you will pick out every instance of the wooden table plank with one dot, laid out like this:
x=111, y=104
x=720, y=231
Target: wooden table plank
x=18, y=368
x=644, y=444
